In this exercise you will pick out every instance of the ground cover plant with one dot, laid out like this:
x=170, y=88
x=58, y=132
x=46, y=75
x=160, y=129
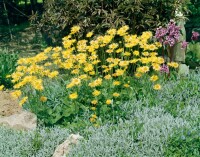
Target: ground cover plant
x=150, y=128
x=40, y=142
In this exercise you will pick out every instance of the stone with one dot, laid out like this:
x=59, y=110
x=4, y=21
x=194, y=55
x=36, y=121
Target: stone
x=183, y=70
x=179, y=53
x=8, y=105
x=23, y=120
x=63, y=149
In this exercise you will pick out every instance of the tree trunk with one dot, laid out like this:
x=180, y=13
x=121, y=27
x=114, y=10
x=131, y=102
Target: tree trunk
x=8, y=21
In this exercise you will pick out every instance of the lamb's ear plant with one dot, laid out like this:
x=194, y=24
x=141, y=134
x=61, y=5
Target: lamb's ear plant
x=144, y=134
x=175, y=101
x=39, y=143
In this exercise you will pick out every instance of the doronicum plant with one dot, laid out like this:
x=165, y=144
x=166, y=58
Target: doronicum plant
x=91, y=75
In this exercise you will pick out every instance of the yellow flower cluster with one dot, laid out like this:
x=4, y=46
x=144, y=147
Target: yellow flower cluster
x=173, y=64
x=93, y=61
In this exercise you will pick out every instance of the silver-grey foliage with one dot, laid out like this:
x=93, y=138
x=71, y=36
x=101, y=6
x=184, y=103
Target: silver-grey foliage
x=38, y=143
x=150, y=123
x=144, y=135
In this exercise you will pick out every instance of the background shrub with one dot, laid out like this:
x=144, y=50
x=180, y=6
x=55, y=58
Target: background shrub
x=140, y=15
x=193, y=22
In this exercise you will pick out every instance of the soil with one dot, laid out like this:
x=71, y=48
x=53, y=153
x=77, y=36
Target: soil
x=8, y=106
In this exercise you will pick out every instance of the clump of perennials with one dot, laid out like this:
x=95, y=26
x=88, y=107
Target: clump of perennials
x=102, y=64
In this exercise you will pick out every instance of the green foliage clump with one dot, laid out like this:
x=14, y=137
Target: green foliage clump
x=8, y=64
x=184, y=143
x=194, y=16
x=193, y=55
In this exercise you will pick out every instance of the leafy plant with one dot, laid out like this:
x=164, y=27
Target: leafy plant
x=184, y=143
x=8, y=64
x=193, y=54
x=192, y=60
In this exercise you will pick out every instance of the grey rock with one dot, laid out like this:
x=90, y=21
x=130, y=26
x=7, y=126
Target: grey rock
x=21, y=121
x=183, y=70
x=63, y=149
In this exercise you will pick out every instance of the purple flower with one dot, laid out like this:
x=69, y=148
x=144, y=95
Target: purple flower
x=171, y=42
x=184, y=44
x=169, y=35
x=176, y=36
x=160, y=33
x=164, y=69
x=195, y=35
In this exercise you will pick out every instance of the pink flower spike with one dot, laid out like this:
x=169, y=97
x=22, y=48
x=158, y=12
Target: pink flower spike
x=184, y=44
x=164, y=69
x=195, y=35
